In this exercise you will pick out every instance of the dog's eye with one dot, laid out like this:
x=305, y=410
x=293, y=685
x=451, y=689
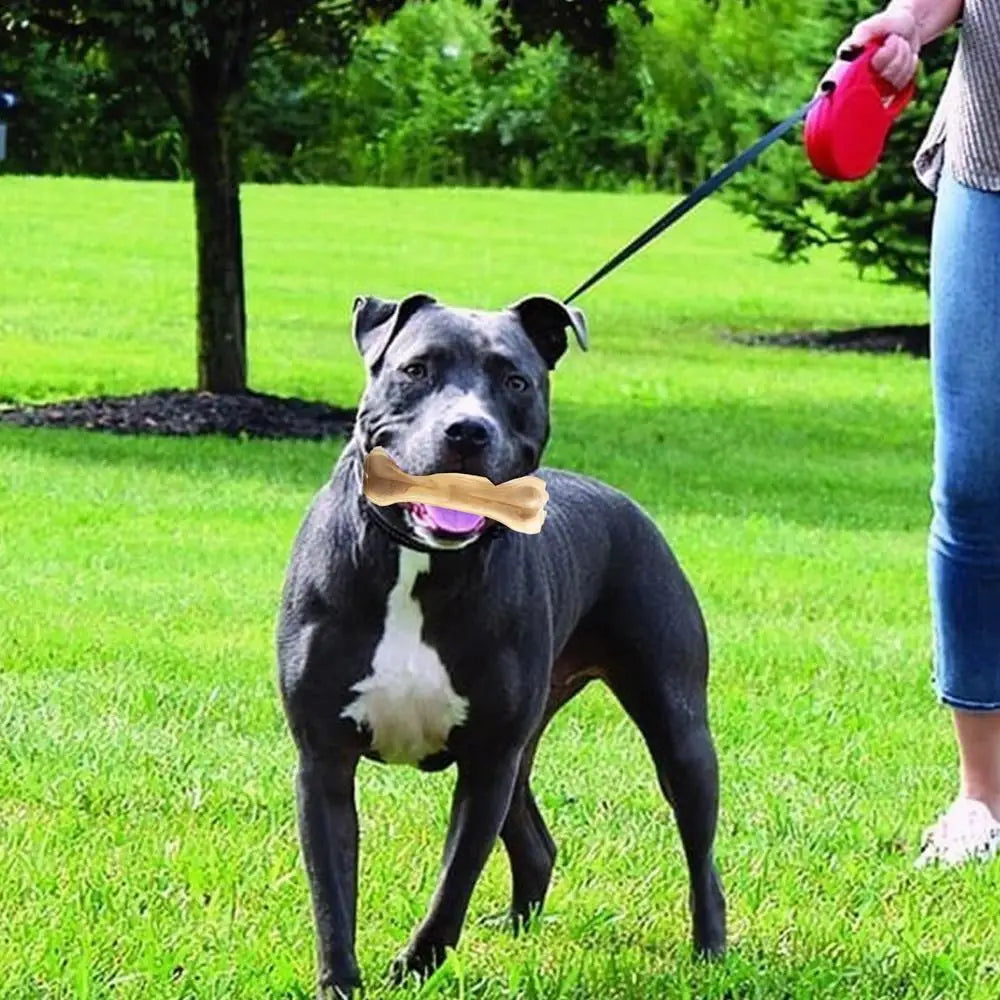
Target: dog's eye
x=415, y=370
x=518, y=383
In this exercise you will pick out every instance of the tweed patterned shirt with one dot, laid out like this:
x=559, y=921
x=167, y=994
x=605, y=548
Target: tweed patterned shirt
x=964, y=134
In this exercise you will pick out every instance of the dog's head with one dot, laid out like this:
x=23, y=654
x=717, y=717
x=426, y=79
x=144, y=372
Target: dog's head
x=458, y=390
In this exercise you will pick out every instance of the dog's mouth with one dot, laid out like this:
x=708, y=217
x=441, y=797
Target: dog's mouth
x=441, y=524
x=439, y=527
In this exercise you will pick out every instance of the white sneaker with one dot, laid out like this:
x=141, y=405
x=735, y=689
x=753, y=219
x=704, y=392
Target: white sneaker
x=966, y=832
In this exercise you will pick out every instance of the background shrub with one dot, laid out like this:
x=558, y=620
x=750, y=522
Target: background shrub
x=431, y=98
x=882, y=222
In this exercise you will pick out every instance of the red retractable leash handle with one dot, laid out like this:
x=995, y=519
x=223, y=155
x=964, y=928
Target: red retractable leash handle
x=846, y=129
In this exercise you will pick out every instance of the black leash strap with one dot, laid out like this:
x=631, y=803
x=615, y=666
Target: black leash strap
x=700, y=193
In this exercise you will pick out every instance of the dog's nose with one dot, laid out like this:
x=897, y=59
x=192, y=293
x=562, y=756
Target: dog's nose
x=468, y=436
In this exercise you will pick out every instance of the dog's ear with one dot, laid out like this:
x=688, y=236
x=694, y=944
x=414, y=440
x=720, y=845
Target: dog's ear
x=377, y=321
x=545, y=320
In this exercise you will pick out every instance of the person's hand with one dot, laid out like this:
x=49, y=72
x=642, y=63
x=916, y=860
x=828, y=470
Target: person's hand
x=896, y=61
x=897, y=58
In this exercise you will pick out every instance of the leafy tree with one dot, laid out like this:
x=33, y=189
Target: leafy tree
x=199, y=54
x=881, y=222
x=78, y=115
x=586, y=25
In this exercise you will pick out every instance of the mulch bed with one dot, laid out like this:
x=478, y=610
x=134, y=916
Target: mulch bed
x=912, y=340
x=187, y=413
x=178, y=413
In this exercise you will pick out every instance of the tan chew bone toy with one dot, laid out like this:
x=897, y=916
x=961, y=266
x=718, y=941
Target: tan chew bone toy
x=519, y=504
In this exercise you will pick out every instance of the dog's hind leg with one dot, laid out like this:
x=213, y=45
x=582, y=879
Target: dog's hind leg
x=530, y=847
x=658, y=673
x=687, y=769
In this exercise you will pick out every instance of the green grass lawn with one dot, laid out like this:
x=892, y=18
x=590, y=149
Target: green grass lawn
x=147, y=843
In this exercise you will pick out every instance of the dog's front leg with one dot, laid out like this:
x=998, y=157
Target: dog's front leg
x=480, y=803
x=328, y=827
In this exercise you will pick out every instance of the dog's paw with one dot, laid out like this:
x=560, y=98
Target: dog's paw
x=710, y=951
x=418, y=958
x=523, y=920
x=339, y=987
x=337, y=992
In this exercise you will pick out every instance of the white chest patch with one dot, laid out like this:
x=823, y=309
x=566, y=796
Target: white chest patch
x=407, y=701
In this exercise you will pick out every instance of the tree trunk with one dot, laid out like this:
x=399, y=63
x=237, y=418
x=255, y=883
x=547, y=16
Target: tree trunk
x=222, y=349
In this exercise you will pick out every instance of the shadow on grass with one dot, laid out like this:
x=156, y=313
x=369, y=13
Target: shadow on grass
x=740, y=976
x=836, y=465
x=912, y=339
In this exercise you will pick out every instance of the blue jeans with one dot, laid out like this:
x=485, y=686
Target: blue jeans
x=964, y=545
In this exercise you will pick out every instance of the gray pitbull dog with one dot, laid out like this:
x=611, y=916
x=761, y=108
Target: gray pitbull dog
x=415, y=635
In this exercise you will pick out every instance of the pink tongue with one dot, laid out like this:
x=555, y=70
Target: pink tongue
x=456, y=521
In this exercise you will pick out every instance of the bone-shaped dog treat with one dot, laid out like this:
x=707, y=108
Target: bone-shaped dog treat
x=519, y=504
